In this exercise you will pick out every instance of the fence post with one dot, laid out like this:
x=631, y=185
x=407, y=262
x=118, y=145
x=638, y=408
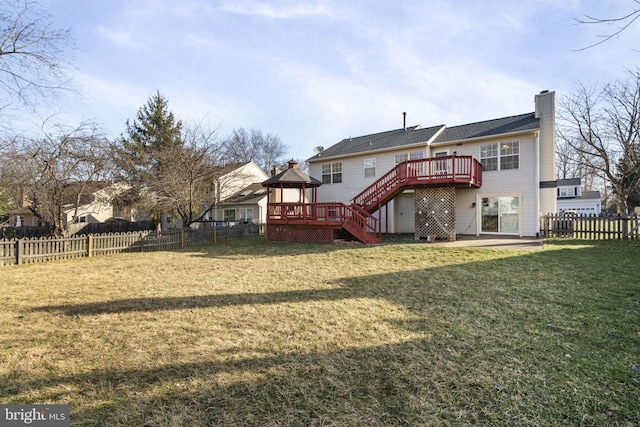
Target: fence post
x=182, y=237
x=625, y=227
x=215, y=232
x=89, y=245
x=19, y=250
x=141, y=243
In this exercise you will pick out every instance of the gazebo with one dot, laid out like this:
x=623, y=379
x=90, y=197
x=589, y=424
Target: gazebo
x=293, y=216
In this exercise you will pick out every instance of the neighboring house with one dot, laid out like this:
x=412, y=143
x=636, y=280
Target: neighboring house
x=572, y=199
x=94, y=202
x=248, y=205
x=22, y=217
x=83, y=203
x=231, y=181
x=492, y=177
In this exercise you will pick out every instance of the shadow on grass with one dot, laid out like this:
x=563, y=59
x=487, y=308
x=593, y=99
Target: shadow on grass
x=198, y=301
x=483, y=359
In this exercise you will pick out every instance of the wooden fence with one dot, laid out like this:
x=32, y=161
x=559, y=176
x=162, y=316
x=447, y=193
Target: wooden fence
x=28, y=251
x=618, y=227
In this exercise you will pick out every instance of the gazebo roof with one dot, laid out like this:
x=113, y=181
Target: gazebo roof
x=292, y=177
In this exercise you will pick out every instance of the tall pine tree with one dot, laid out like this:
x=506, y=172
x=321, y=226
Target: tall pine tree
x=147, y=143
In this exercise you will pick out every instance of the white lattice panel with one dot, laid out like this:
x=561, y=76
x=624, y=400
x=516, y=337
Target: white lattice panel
x=434, y=212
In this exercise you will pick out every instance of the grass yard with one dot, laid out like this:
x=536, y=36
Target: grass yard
x=256, y=334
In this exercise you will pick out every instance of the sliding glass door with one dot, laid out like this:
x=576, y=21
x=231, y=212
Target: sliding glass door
x=500, y=214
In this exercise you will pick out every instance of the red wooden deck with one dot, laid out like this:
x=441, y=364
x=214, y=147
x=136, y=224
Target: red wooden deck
x=332, y=215
x=357, y=218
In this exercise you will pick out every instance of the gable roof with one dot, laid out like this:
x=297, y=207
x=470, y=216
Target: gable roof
x=222, y=170
x=85, y=190
x=590, y=195
x=505, y=125
x=251, y=194
x=432, y=135
x=379, y=141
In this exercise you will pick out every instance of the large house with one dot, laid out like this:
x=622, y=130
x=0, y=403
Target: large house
x=492, y=177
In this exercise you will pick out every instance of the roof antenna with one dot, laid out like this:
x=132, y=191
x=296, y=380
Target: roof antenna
x=404, y=120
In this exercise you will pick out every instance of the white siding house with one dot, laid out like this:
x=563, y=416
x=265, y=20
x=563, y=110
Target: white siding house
x=232, y=180
x=572, y=199
x=518, y=184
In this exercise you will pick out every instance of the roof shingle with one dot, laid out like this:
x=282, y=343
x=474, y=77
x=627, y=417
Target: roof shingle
x=415, y=135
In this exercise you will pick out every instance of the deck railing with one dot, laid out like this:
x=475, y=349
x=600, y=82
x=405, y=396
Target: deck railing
x=449, y=170
x=357, y=221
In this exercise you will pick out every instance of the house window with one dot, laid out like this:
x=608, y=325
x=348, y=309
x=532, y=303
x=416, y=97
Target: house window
x=82, y=219
x=229, y=215
x=503, y=156
x=401, y=157
x=413, y=155
x=332, y=173
x=369, y=167
x=246, y=214
x=510, y=155
x=567, y=192
x=104, y=202
x=489, y=157
x=416, y=155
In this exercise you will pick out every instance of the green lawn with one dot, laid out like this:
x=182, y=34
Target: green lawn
x=252, y=333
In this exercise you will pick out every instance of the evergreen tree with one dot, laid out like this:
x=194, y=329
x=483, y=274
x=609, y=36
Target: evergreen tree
x=147, y=142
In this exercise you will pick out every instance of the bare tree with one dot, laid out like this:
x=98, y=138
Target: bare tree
x=187, y=186
x=254, y=146
x=55, y=171
x=33, y=60
x=570, y=163
x=621, y=23
x=602, y=125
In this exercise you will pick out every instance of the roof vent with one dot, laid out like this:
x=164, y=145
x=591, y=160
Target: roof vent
x=404, y=120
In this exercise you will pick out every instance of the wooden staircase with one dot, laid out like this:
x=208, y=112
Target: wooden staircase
x=458, y=171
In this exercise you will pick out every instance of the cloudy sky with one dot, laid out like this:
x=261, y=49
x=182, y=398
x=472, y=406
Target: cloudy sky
x=316, y=71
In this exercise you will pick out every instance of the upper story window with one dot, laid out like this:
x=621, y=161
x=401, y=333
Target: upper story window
x=332, y=173
x=500, y=156
x=369, y=167
x=567, y=191
x=413, y=155
x=401, y=157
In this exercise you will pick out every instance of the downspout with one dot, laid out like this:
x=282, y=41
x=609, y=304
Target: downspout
x=537, y=183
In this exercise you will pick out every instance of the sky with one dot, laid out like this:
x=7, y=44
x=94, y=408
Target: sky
x=316, y=71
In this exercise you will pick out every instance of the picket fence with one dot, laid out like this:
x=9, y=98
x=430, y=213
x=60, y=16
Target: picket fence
x=28, y=251
x=591, y=227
